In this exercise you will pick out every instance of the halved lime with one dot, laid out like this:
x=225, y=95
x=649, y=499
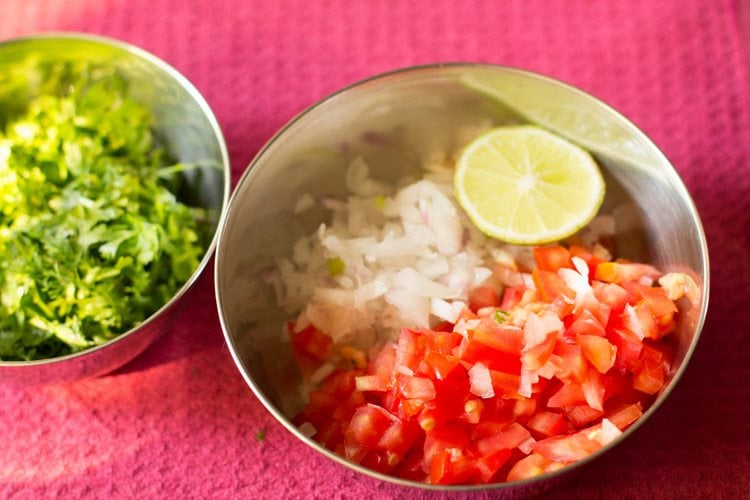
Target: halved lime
x=524, y=185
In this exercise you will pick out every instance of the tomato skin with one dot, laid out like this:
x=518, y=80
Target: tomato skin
x=550, y=285
x=511, y=298
x=628, y=348
x=531, y=466
x=552, y=258
x=416, y=387
x=472, y=351
x=582, y=415
x=589, y=258
x=566, y=449
x=611, y=294
x=505, y=439
x=623, y=417
x=598, y=351
x=505, y=338
x=567, y=395
x=557, y=368
x=547, y=424
x=368, y=424
x=483, y=296
x=488, y=465
x=310, y=347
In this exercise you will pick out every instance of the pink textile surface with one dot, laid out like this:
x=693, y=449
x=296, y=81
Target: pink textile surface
x=179, y=421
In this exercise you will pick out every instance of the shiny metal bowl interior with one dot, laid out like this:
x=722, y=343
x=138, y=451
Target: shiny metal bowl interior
x=187, y=128
x=393, y=119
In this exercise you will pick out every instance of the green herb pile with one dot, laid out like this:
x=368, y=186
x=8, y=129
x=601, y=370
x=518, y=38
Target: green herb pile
x=92, y=239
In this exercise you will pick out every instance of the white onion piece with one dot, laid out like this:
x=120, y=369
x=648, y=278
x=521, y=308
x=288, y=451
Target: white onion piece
x=480, y=381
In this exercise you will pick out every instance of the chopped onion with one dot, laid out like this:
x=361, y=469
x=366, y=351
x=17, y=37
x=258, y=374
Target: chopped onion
x=481, y=381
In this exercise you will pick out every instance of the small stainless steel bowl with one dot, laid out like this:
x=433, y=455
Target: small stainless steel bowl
x=188, y=130
x=391, y=120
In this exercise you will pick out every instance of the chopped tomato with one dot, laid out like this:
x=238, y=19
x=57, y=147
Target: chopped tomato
x=547, y=424
x=368, y=424
x=505, y=338
x=625, y=416
x=506, y=439
x=467, y=403
x=552, y=258
x=582, y=415
x=550, y=285
x=483, y=296
x=598, y=351
x=511, y=298
x=310, y=347
x=530, y=466
x=620, y=272
x=566, y=449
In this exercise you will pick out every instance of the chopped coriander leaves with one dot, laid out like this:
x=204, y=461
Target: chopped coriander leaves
x=500, y=316
x=335, y=266
x=92, y=241
x=260, y=435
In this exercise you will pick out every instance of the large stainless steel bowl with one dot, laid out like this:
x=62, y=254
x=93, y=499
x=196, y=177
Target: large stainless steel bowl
x=187, y=128
x=393, y=119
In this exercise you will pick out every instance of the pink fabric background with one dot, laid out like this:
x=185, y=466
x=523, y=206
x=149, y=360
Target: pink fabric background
x=180, y=422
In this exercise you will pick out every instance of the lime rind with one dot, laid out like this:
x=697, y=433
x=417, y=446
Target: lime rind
x=524, y=185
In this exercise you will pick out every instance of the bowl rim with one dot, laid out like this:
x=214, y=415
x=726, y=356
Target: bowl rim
x=132, y=50
x=674, y=179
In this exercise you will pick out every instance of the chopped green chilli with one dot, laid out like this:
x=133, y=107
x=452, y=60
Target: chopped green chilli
x=92, y=236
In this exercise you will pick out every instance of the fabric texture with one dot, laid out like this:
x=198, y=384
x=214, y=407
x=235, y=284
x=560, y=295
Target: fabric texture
x=179, y=421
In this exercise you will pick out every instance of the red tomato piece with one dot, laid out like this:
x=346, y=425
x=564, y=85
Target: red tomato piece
x=552, y=258
x=566, y=449
x=593, y=389
x=505, y=384
x=472, y=351
x=410, y=349
x=648, y=377
x=451, y=395
x=441, y=365
x=570, y=363
x=623, y=417
x=628, y=348
x=613, y=295
x=537, y=356
x=367, y=425
x=524, y=407
x=416, y=387
x=547, y=424
x=483, y=296
x=567, y=395
x=506, y=439
x=620, y=272
x=586, y=323
x=348, y=407
x=487, y=466
x=598, y=351
x=310, y=348
x=441, y=438
x=511, y=298
x=398, y=438
x=367, y=383
x=531, y=466
x=591, y=260
x=582, y=415
x=505, y=338
x=450, y=466
x=550, y=285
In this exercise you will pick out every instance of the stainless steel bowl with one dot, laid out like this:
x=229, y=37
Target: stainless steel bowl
x=393, y=119
x=189, y=131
